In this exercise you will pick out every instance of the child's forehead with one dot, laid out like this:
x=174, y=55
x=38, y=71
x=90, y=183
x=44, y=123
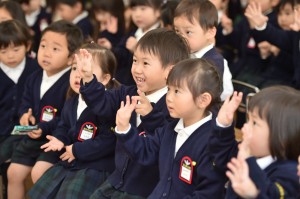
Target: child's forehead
x=52, y=36
x=146, y=53
x=184, y=21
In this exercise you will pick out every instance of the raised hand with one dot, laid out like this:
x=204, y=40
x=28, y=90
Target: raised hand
x=124, y=114
x=144, y=106
x=226, y=112
x=54, y=144
x=35, y=134
x=226, y=23
x=104, y=42
x=85, y=62
x=131, y=43
x=241, y=183
x=27, y=118
x=255, y=16
x=264, y=49
x=68, y=155
x=296, y=25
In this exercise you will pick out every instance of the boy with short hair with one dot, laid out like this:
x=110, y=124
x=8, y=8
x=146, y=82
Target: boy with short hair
x=197, y=21
x=42, y=102
x=156, y=53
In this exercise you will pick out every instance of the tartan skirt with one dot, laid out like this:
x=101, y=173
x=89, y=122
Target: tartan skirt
x=60, y=182
x=107, y=191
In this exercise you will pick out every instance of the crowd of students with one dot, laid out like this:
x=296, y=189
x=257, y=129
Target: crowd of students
x=134, y=99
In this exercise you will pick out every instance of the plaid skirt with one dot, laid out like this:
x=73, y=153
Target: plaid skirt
x=60, y=182
x=8, y=145
x=107, y=191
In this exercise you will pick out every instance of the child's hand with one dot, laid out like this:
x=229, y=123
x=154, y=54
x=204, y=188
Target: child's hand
x=84, y=63
x=35, y=134
x=264, y=49
x=226, y=113
x=27, y=117
x=296, y=25
x=226, y=23
x=241, y=183
x=68, y=155
x=124, y=114
x=144, y=107
x=299, y=166
x=104, y=43
x=131, y=43
x=244, y=149
x=255, y=15
x=112, y=24
x=54, y=144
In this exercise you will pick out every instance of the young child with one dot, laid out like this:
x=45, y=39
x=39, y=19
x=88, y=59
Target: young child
x=197, y=22
x=11, y=10
x=39, y=106
x=15, y=67
x=285, y=40
x=37, y=19
x=181, y=148
x=266, y=165
x=150, y=68
x=74, y=11
x=167, y=13
x=145, y=15
x=110, y=16
x=88, y=139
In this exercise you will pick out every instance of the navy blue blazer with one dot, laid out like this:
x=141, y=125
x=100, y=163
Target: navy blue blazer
x=129, y=175
x=285, y=40
x=113, y=38
x=277, y=180
x=86, y=27
x=215, y=58
x=54, y=97
x=10, y=96
x=207, y=180
x=95, y=153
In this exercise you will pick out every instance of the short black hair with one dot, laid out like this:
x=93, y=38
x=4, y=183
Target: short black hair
x=14, y=32
x=166, y=44
x=156, y=4
x=73, y=33
x=71, y=2
x=15, y=10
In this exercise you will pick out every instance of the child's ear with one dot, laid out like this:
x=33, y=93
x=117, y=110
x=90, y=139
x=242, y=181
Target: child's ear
x=204, y=100
x=105, y=79
x=211, y=32
x=167, y=70
x=70, y=60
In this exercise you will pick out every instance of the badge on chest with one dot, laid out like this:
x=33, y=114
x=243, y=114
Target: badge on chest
x=87, y=131
x=48, y=114
x=186, y=169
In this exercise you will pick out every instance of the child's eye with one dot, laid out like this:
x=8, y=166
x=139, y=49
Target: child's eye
x=134, y=60
x=3, y=51
x=188, y=32
x=176, y=91
x=146, y=63
x=16, y=49
x=42, y=46
x=254, y=123
x=74, y=67
x=55, y=49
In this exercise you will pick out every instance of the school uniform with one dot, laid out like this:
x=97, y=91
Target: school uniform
x=93, y=147
x=210, y=53
x=38, y=21
x=287, y=41
x=186, y=164
x=276, y=180
x=129, y=177
x=84, y=23
x=11, y=90
x=113, y=38
x=46, y=109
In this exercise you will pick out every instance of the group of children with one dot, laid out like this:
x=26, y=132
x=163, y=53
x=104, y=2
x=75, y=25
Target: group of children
x=166, y=131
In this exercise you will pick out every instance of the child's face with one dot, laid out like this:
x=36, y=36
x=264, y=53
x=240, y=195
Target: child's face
x=265, y=4
x=53, y=53
x=66, y=12
x=144, y=16
x=32, y=6
x=13, y=55
x=256, y=132
x=4, y=15
x=181, y=104
x=102, y=17
x=148, y=72
x=286, y=17
x=193, y=33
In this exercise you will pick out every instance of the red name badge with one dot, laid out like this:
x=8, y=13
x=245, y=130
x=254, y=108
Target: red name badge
x=87, y=131
x=186, y=170
x=47, y=114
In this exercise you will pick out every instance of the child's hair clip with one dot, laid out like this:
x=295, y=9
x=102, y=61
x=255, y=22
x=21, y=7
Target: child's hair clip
x=92, y=42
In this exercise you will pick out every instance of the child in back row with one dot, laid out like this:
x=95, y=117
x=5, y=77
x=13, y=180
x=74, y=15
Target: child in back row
x=186, y=164
x=197, y=21
x=11, y=10
x=150, y=68
x=42, y=102
x=88, y=139
x=266, y=164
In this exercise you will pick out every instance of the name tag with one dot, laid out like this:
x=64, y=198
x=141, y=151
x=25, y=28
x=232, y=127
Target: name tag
x=186, y=170
x=87, y=131
x=48, y=113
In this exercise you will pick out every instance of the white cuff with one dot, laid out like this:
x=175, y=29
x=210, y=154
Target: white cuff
x=261, y=28
x=221, y=125
x=122, y=132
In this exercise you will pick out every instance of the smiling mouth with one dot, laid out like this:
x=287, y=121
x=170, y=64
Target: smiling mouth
x=140, y=80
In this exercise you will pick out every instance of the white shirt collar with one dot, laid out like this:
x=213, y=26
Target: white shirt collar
x=31, y=18
x=154, y=97
x=14, y=73
x=139, y=32
x=81, y=106
x=83, y=15
x=200, y=53
x=265, y=161
x=190, y=129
